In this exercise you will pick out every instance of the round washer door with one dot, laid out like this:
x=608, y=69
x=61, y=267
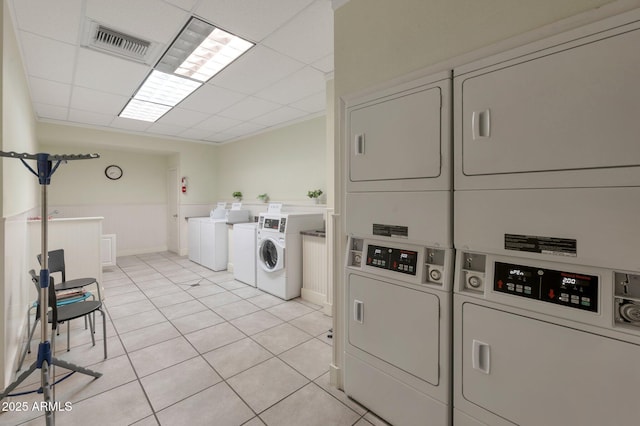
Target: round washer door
x=271, y=255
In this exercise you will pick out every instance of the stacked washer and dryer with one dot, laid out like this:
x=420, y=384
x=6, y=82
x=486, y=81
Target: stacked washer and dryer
x=399, y=260
x=547, y=231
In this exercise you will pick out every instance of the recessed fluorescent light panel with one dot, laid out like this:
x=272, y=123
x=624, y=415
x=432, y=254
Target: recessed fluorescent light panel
x=200, y=52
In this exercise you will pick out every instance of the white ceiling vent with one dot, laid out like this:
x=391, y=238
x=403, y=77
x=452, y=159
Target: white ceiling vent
x=104, y=39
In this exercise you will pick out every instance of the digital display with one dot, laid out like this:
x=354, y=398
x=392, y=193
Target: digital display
x=271, y=224
x=404, y=261
x=575, y=290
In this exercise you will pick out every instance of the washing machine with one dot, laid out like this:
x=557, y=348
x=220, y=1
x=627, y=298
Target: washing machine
x=244, y=252
x=279, y=251
x=546, y=207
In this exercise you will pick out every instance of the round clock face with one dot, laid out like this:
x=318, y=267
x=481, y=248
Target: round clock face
x=113, y=172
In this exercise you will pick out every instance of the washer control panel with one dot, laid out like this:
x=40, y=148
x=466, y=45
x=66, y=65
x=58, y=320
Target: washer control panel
x=393, y=259
x=575, y=290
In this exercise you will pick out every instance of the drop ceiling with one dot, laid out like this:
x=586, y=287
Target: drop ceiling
x=281, y=80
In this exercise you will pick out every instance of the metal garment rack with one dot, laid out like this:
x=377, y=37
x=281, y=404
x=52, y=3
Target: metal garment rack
x=45, y=359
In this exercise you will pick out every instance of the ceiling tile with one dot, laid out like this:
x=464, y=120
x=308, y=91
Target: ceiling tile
x=88, y=117
x=313, y=103
x=52, y=112
x=249, y=108
x=256, y=69
x=280, y=116
x=129, y=124
x=211, y=99
x=196, y=134
x=153, y=20
x=183, y=4
x=324, y=64
x=252, y=19
x=165, y=129
x=49, y=92
x=217, y=124
x=183, y=117
x=46, y=58
x=108, y=73
x=307, y=37
x=244, y=129
x=54, y=19
x=298, y=85
x=96, y=101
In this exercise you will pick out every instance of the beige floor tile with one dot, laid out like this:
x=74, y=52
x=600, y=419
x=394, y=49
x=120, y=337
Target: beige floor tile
x=289, y=310
x=265, y=300
x=236, y=309
x=162, y=355
x=148, y=336
x=324, y=383
x=193, y=322
x=311, y=358
x=237, y=357
x=173, y=384
x=314, y=323
x=310, y=406
x=217, y=405
x=123, y=405
x=211, y=338
x=266, y=383
x=256, y=322
x=141, y=320
x=281, y=338
x=220, y=299
x=182, y=309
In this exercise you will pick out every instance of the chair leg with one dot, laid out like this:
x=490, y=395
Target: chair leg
x=91, y=328
x=104, y=333
x=68, y=336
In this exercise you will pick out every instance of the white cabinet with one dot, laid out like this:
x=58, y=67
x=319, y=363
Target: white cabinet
x=108, y=250
x=398, y=138
x=560, y=112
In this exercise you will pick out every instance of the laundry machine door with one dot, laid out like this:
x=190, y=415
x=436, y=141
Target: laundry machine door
x=533, y=372
x=271, y=255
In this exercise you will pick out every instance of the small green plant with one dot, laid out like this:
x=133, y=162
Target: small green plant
x=237, y=195
x=314, y=194
x=263, y=197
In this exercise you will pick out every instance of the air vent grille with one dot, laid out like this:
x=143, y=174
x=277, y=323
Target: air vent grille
x=104, y=39
x=120, y=43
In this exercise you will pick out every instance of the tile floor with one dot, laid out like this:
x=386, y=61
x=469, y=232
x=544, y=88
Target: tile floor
x=189, y=346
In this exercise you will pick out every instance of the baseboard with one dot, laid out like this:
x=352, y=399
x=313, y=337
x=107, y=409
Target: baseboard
x=313, y=297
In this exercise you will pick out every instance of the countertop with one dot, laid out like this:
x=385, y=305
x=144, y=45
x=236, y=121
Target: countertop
x=315, y=233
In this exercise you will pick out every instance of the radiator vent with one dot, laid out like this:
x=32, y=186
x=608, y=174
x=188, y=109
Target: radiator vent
x=101, y=38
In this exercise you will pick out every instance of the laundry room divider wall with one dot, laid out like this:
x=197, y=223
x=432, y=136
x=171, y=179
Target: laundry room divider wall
x=546, y=206
x=399, y=261
x=539, y=320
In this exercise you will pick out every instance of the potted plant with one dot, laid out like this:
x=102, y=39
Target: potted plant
x=237, y=195
x=315, y=195
x=263, y=197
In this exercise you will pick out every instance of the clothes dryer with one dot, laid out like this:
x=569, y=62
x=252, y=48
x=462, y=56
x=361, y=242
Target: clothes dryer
x=279, y=251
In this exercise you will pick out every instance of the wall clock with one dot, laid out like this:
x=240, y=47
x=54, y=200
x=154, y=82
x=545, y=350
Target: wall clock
x=113, y=172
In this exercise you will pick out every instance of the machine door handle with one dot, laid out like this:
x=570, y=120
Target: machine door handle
x=481, y=124
x=358, y=311
x=481, y=357
x=359, y=144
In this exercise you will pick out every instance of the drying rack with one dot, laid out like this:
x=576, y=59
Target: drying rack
x=46, y=169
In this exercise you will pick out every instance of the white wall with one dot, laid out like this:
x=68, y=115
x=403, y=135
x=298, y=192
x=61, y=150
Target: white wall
x=19, y=199
x=134, y=207
x=284, y=163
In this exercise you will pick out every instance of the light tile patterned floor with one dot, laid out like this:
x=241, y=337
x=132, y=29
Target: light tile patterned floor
x=189, y=346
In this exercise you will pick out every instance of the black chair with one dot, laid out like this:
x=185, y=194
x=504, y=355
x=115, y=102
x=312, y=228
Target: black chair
x=56, y=264
x=66, y=313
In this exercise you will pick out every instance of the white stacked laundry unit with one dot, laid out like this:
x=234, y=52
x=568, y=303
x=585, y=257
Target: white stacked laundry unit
x=399, y=260
x=547, y=231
